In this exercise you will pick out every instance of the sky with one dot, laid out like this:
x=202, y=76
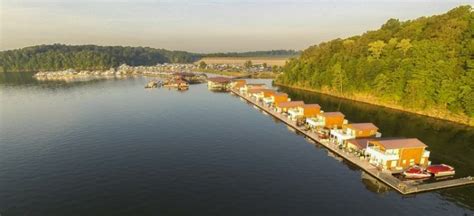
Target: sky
x=201, y=25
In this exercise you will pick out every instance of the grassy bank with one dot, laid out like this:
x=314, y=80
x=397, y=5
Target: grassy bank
x=369, y=99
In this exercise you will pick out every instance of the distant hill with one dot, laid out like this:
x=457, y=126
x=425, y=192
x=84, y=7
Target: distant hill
x=92, y=57
x=424, y=65
x=270, y=53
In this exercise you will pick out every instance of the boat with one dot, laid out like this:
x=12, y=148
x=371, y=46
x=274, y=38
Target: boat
x=439, y=170
x=416, y=172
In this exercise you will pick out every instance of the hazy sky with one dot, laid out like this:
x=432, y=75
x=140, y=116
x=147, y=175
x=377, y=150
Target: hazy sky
x=200, y=25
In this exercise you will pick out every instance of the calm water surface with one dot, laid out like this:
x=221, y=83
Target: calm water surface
x=110, y=147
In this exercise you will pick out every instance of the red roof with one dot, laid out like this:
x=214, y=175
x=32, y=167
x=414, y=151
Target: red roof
x=219, y=79
x=332, y=114
x=360, y=143
x=311, y=106
x=401, y=143
x=290, y=104
x=362, y=126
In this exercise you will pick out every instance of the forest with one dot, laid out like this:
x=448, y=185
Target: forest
x=86, y=57
x=424, y=65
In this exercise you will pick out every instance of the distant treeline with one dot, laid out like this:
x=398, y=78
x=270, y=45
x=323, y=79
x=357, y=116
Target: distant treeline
x=422, y=64
x=270, y=53
x=90, y=57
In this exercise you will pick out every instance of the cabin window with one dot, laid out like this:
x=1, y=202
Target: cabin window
x=404, y=161
x=394, y=164
x=412, y=161
x=422, y=161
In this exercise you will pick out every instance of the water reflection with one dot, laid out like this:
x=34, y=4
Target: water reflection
x=449, y=143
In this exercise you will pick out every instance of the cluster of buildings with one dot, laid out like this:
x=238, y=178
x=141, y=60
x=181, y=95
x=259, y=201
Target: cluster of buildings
x=361, y=139
x=239, y=67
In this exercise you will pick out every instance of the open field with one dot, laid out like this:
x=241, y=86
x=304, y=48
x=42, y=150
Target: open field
x=278, y=61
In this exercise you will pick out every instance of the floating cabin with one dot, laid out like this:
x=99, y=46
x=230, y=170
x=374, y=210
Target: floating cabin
x=353, y=131
x=357, y=144
x=248, y=86
x=262, y=93
x=304, y=111
x=219, y=83
x=190, y=77
x=283, y=107
x=397, y=154
x=275, y=98
x=329, y=120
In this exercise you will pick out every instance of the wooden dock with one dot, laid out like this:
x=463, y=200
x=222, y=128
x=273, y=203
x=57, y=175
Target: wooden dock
x=403, y=187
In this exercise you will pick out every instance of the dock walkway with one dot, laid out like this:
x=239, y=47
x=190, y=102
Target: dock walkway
x=403, y=187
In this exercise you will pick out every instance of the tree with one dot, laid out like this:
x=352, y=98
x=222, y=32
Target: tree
x=202, y=65
x=404, y=45
x=339, y=77
x=376, y=48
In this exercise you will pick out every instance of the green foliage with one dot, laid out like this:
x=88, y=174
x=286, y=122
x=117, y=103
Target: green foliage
x=425, y=63
x=91, y=57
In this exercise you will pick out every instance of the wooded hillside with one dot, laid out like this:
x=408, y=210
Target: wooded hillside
x=424, y=65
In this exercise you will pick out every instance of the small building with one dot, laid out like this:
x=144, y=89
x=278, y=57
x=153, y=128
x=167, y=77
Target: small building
x=357, y=145
x=285, y=106
x=254, y=93
x=330, y=120
x=263, y=93
x=248, y=86
x=275, y=98
x=397, y=154
x=352, y=131
x=306, y=111
x=218, y=83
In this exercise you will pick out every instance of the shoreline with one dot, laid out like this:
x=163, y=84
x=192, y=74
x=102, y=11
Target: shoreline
x=456, y=120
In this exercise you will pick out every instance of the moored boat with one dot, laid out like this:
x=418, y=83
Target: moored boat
x=416, y=172
x=439, y=170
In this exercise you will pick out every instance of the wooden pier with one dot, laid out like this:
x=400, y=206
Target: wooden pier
x=403, y=187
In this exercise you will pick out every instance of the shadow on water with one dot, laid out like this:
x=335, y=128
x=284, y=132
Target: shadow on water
x=448, y=142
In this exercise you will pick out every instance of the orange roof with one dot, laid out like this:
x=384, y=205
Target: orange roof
x=251, y=91
x=362, y=126
x=332, y=114
x=289, y=104
x=401, y=143
x=219, y=79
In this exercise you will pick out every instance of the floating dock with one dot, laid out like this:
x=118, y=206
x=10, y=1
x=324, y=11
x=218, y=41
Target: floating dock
x=403, y=187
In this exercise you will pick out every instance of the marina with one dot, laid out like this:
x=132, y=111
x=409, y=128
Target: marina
x=403, y=187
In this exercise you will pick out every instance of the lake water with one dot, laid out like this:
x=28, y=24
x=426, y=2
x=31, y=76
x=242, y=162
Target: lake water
x=109, y=147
